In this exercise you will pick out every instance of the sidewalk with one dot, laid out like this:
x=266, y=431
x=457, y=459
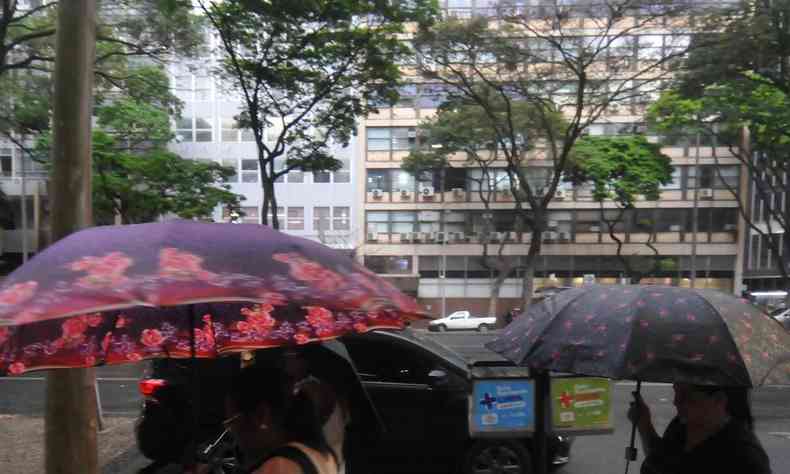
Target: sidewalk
x=22, y=443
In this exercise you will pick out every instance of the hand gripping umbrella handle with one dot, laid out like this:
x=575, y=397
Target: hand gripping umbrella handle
x=630, y=451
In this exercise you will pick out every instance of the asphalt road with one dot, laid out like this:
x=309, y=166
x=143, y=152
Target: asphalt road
x=590, y=454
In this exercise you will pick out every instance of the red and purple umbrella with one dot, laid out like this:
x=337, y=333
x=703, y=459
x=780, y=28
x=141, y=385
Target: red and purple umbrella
x=119, y=294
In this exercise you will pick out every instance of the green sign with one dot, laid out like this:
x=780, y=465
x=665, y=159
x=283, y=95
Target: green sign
x=581, y=405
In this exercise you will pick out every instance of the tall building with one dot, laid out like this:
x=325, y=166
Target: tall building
x=312, y=205
x=424, y=233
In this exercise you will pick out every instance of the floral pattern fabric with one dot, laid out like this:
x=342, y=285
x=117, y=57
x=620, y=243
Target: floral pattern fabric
x=650, y=333
x=183, y=289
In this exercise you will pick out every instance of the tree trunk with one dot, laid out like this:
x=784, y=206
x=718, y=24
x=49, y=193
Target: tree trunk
x=528, y=281
x=71, y=415
x=493, y=300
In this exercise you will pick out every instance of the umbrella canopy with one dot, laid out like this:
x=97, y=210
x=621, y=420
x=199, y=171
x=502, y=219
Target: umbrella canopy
x=650, y=333
x=180, y=289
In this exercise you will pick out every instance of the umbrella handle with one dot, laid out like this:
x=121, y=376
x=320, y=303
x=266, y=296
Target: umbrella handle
x=630, y=451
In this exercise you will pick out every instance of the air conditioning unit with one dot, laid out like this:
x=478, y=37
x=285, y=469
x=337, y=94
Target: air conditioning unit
x=705, y=193
x=412, y=133
x=564, y=236
x=377, y=193
x=459, y=192
x=560, y=194
x=414, y=236
x=494, y=237
x=427, y=236
x=459, y=237
x=373, y=237
x=552, y=224
x=675, y=228
x=730, y=227
x=405, y=237
x=549, y=235
x=488, y=215
x=426, y=191
x=404, y=193
x=439, y=237
x=511, y=236
x=595, y=228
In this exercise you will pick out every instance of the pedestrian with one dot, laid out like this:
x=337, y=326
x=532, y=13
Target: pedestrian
x=713, y=431
x=277, y=426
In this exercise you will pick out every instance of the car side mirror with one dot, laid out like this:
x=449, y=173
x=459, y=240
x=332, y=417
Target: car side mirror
x=437, y=378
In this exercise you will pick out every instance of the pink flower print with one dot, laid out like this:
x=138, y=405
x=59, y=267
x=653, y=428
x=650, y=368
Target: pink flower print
x=568, y=325
x=207, y=318
x=179, y=265
x=105, y=343
x=678, y=338
x=134, y=356
x=318, y=316
x=16, y=368
x=18, y=293
x=308, y=271
x=691, y=317
x=120, y=322
x=243, y=326
x=90, y=361
x=641, y=303
x=628, y=319
x=600, y=354
x=273, y=298
x=644, y=323
x=555, y=356
x=373, y=315
x=4, y=332
x=601, y=328
x=302, y=338
x=663, y=313
x=360, y=327
x=258, y=317
x=713, y=339
x=103, y=272
x=74, y=329
x=152, y=338
x=588, y=318
x=765, y=355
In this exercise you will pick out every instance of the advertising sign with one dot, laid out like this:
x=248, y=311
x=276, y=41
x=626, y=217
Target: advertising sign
x=502, y=406
x=581, y=405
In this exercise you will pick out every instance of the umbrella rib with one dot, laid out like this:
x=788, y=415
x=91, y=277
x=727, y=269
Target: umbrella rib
x=729, y=336
x=634, y=322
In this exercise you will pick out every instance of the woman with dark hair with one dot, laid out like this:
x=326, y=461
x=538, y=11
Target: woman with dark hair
x=277, y=426
x=712, y=432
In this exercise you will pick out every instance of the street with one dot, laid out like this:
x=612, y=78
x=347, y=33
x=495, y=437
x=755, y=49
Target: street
x=24, y=396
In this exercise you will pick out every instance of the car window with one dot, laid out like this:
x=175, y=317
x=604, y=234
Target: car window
x=381, y=361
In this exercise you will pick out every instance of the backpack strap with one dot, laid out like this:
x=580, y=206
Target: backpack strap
x=292, y=453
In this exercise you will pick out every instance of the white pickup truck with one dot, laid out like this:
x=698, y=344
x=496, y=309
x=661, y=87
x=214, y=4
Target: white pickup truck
x=462, y=320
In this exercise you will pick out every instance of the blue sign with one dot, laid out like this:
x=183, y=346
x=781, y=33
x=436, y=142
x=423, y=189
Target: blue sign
x=502, y=405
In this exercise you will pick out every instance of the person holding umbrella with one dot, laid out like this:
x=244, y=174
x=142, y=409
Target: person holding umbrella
x=277, y=426
x=712, y=432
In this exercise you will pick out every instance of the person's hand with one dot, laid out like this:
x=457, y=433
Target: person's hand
x=638, y=410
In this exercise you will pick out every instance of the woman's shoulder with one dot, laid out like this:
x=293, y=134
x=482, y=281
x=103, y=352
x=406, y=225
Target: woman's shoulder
x=278, y=464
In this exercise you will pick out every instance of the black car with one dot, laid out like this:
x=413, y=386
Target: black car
x=419, y=387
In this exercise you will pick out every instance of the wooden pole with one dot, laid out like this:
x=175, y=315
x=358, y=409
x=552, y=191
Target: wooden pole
x=70, y=427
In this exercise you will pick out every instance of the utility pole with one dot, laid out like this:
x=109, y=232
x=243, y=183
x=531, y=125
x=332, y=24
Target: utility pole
x=71, y=422
x=695, y=214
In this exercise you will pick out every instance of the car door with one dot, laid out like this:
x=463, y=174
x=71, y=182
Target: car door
x=424, y=416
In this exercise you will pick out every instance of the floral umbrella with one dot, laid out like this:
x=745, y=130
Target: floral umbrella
x=650, y=333
x=115, y=294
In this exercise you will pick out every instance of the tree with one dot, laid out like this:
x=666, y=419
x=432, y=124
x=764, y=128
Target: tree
x=306, y=71
x=751, y=117
x=622, y=170
x=135, y=177
x=461, y=127
x=540, y=56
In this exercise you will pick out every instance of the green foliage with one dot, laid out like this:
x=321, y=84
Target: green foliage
x=310, y=68
x=620, y=168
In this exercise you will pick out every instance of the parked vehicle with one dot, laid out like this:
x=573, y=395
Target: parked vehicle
x=782, y=316
x=420, y=389
x=462, y=320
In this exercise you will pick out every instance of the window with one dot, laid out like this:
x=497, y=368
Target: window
x=321, y=176
x=378, y=222
x=6, y=160
x=403, y=221
x=394, y=138
x=321, y=218
x=251, y=215
x=249, y=171
x=378, y=179
x=182, y=85
x=676, y=179
x=389, y=265
x=588, y=221
x=378, y=139
x=232, y=133
x=202, y=88
x=343, y=175
x=402, y=181
x=184, y=129
x=341, y=218
x=454, y=178
x=203, y=130
x=232, y=163
x=454, y=221
x=709, y=177
x=671, y=220
x=295, y=176
x=295, y=218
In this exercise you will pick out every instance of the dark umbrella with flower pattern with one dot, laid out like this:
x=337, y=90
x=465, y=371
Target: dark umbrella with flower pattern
x=650, y=333
x=182, y=289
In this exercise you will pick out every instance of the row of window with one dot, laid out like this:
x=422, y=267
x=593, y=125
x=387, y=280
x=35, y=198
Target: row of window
x=497, y=179
x=433, y=266
x=10, y=167
x=248, y=171
x=324, y=218
x=479, y=222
